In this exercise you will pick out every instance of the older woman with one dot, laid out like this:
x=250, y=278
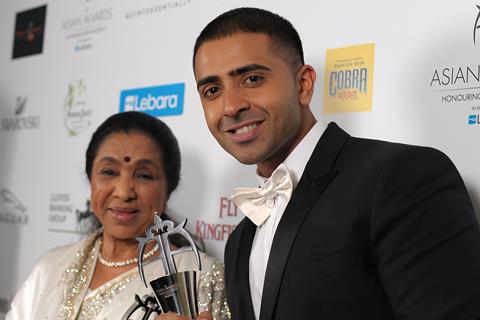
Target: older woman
x=133, y=165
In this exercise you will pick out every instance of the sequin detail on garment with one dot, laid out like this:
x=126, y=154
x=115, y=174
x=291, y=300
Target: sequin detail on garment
x=76, y=277
x=92, y=306
x=211, y=293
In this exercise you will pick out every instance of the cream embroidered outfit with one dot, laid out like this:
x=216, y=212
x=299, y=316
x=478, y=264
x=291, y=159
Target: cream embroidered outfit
x=57, y=287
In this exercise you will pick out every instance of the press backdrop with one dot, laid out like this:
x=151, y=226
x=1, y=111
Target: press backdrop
x=404, y=71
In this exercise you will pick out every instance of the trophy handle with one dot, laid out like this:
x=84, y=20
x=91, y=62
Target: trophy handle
x=179, y=229
x=147, y=303
x=161, y=231
x=175, y=291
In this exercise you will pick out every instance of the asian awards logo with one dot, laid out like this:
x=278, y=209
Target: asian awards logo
x=84, y=22
x=348, y=85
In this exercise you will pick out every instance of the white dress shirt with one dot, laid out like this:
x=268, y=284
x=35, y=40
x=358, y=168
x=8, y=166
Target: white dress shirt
x=262, y=242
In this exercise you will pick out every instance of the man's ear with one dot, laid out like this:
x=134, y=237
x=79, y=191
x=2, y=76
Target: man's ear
x=306, y=83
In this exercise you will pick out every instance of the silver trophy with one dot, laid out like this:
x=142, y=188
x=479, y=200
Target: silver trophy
x=176, y=291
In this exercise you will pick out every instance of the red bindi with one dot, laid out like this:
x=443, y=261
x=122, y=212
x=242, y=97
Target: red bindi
x=127, y=159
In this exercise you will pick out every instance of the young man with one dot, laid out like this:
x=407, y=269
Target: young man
x=342, y=227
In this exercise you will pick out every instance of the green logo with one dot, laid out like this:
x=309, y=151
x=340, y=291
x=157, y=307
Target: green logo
x=76, y=114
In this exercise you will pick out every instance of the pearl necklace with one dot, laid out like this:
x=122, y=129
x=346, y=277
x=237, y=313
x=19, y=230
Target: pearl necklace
x=116, y=264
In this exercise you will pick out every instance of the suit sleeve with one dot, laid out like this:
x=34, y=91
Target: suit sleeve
x=426, y=238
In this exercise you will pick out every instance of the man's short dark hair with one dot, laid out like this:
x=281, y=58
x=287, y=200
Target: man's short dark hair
x=284, y=36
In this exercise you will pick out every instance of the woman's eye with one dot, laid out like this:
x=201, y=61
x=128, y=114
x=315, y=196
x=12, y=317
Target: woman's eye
x=107, y=172
x=146, y=176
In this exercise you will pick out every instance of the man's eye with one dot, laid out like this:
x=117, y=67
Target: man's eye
x=253, y=79
x=211, y=91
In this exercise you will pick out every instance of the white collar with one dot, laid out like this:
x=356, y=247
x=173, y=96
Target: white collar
x=298, y=158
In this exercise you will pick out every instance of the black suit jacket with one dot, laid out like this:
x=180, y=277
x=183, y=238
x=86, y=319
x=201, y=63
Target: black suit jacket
x=374, y=230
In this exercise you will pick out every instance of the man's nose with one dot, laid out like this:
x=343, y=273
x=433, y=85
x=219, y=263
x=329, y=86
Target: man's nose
x=234, y=103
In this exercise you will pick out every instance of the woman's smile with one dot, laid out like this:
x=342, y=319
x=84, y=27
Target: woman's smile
x=123, y=214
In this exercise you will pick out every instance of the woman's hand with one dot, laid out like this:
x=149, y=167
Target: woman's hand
x=173, y=316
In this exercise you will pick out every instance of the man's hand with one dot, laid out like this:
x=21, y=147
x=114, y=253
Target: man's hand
x=173, y=316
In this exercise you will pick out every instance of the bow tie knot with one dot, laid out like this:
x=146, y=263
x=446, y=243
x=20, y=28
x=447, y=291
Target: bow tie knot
x=258, y=203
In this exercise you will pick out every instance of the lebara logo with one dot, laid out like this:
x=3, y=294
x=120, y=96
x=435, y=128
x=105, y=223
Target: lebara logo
x=474, y=119
x=157, y=101
x=476, y=27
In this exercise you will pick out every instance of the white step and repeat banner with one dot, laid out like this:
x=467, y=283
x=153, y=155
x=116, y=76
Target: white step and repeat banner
x=405, y=71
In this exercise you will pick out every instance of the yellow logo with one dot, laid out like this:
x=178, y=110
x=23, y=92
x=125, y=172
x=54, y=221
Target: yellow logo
x=348, y=85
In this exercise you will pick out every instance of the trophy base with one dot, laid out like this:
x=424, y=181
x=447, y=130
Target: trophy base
x=177, y=293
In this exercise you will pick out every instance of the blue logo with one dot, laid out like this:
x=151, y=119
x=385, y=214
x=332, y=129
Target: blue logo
x=474, y=119
x=157, y=101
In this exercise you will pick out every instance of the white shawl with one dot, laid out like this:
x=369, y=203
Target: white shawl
x=57, y=287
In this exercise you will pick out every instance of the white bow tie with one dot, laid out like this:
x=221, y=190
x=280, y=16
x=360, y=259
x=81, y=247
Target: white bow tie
x=257, y=203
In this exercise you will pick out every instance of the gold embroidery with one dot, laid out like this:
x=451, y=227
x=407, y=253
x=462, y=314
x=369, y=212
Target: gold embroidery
x=92, y=306
x=211, y=291
x=76, y=276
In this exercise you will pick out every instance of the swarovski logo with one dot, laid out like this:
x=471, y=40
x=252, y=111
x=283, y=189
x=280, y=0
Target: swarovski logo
x=20, y=105
x=20, y=121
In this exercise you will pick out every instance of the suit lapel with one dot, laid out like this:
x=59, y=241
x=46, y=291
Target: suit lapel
x=240, y=292
x=317, y=175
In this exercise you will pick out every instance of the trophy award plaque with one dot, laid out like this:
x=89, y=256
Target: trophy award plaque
x=175, y=291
